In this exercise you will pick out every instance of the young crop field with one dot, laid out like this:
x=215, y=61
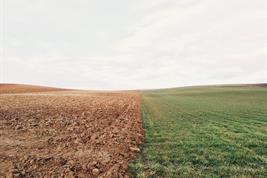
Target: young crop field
x=216, y=131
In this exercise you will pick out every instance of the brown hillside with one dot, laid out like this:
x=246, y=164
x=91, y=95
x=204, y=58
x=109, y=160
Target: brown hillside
x=20, y=88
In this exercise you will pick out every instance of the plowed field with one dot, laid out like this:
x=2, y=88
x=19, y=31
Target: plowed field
x=68, y=134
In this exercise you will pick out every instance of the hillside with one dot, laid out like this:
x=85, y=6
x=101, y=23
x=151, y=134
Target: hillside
x=21, y=88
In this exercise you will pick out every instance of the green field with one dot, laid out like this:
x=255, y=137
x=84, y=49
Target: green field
x=218, y=131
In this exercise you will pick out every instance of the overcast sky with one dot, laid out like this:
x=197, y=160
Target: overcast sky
x=129, y=44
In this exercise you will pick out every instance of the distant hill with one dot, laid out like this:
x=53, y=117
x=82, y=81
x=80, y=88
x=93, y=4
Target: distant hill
x=261, y=84
x=21, y=88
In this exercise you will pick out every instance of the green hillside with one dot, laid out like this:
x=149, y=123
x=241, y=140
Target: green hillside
x=218, y=131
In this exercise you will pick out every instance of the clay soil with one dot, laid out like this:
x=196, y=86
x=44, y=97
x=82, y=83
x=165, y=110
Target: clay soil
x=68, y=133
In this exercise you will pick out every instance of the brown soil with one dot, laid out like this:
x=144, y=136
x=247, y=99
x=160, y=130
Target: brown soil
x=68, y=134
x=20, y=88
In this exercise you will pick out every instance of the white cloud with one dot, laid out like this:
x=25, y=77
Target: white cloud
x=140, y=44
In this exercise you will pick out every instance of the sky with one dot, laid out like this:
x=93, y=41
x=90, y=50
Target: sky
x=133, y=44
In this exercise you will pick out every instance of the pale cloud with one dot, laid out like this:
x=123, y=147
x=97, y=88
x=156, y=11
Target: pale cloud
x=134, y=44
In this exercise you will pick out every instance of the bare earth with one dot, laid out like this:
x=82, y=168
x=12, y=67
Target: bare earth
x=16, y=88
x=68, y=133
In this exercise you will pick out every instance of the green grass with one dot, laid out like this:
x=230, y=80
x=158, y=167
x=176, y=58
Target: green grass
x=203, y=132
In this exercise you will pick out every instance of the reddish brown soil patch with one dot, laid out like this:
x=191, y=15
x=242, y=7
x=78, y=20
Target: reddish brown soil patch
x=68, y=134
x=19, y=88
